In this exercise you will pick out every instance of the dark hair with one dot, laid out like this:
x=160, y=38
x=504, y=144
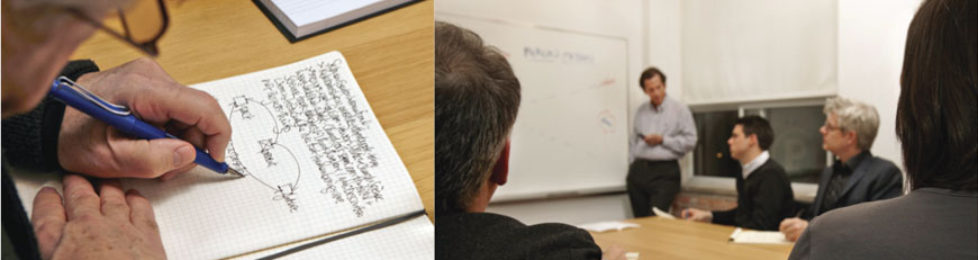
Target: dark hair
x=648, y=74
x=476, y=99
x=755, y=125
x=937, y=114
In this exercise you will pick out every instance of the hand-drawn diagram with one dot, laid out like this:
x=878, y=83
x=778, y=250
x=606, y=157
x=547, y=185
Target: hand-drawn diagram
x=317, y=106
x=255, y=150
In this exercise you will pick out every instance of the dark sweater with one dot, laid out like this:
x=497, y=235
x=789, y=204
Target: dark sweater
x=763, y=199
x=493, y=236
x=30, y=141
x=928, y=223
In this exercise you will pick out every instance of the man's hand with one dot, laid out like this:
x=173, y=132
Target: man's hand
x=792, y=228
x=108, y=225
x=653, y=139
x=86, y=145
x=613, y=252
x=697, y=215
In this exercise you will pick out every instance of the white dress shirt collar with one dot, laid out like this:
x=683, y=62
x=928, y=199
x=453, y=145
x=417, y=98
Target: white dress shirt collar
x=754, y=164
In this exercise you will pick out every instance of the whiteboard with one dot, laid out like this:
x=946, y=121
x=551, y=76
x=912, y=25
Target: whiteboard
x=570, y=135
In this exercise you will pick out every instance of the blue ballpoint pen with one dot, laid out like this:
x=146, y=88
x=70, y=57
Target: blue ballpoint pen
x=121, y=118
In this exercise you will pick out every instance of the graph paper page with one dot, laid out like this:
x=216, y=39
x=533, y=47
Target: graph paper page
x=315, y=158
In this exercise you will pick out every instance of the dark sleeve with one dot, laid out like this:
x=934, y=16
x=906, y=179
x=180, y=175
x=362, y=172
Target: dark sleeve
x=890, y=184
x=768, y=200
x=725, y=217
x=30, y=140
x=559, y=241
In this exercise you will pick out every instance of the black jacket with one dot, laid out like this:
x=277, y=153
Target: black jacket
x=872, y=178
x=30, y=141
x=763, y=199
x=493, y=236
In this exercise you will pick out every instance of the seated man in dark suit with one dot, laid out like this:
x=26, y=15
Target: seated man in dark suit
x=936, y=117
x=764, y=195
x=476, y=99
x=856, y=176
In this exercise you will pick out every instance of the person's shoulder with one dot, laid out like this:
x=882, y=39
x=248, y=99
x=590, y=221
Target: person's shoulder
x=645, y=105
x=489, y=221
x=880, y=164
x=772, y=167
x=494, y=236
x=676, y=103
x=859, y=215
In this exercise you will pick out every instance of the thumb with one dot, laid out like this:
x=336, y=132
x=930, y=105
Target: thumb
x=152, y=158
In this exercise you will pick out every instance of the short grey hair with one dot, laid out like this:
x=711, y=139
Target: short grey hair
x=477, y=97
x=855, y=116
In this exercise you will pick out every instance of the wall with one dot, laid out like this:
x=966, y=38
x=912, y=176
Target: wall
x=872, y=34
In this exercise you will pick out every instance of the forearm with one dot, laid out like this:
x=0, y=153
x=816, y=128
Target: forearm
x=30, y=139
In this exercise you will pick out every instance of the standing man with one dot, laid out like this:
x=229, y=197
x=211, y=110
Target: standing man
x=664, y=132
x=764, y=195
x=856, y=176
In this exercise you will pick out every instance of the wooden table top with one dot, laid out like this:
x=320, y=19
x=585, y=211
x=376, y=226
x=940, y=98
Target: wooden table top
x=391, y=56
x=660, y=238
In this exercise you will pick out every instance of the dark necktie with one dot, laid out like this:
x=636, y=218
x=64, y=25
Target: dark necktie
x=837, y=183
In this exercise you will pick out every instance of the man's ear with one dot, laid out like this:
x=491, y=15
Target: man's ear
x=851, y=135
x=753, y=140
x=500, y=172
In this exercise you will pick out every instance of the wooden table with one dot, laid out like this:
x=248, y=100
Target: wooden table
x=391, y=55
x=660, y=238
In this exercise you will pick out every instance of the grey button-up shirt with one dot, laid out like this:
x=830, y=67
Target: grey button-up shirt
x=673, y=121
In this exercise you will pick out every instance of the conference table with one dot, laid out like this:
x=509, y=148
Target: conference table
x=661, y=238
x=391, y=56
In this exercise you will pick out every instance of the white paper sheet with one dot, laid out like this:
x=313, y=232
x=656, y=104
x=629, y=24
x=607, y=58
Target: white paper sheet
x=662, y=214
x=608, y=226
x=758, y=237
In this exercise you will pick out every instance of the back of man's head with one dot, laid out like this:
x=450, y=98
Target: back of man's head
x=476, y=99
x=755, y=125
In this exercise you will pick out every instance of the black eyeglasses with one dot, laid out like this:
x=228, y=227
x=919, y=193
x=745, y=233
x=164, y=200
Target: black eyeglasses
x=141, y=23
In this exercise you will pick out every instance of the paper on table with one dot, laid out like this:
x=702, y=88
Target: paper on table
x=608, y=225
x=659, y=213
x=315, y=158
x=631, y=256
x=408, y=240
x=758, y=237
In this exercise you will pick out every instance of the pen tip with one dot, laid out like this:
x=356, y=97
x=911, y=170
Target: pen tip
x=234, y=173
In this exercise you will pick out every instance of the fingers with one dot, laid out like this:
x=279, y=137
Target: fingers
x=80, y=197
x=613, y=252
x=48, y=219
x=794, y=235
x=188, y=106
x=114, y=203
x=174, y=173
x=142, y=213
x=784, y=225
x=150, y=158
x=191, y=134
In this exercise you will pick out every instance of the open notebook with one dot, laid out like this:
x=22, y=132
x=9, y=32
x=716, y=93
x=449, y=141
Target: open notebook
x=315, y=158
x=316, y=162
